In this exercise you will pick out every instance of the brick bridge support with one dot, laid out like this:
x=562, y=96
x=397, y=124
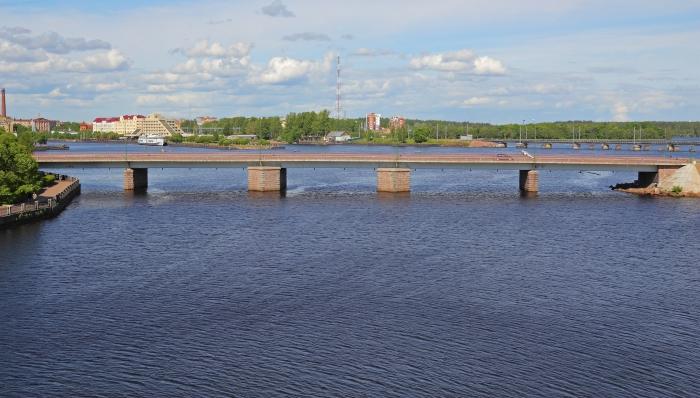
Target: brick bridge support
x=393, y=180
x=135, y=179
x=529, y=181
x=267, y=179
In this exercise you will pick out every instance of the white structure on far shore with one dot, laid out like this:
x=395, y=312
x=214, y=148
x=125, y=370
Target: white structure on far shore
x=137, y=125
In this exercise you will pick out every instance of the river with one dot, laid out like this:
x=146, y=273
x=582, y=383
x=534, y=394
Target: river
x=462, y=288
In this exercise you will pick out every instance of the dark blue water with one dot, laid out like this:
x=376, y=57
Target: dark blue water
x=461, y=288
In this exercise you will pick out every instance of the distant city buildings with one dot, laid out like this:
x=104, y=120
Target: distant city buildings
x=38, y=125
x=374, y=121
x=397, y=122
x=42, y=125
x=135, y=125
x=201, y=120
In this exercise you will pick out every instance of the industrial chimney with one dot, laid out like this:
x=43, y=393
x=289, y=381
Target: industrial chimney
x=4, y=108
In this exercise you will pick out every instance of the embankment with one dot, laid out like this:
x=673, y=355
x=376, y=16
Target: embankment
x=49, y=203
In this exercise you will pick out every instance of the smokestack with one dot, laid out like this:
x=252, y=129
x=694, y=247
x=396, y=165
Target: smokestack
x=4, y=108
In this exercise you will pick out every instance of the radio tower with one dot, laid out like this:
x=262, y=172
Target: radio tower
x=337, y=91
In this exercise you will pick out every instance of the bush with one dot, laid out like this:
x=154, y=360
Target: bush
x=677, y=189
x=48, y=179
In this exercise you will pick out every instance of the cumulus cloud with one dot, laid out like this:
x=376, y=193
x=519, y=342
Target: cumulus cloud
x=286, y=70
x=10, y=52
x=277, y=9
x=51, y=42
x=215, y=49
x=459, y=61
x=488, y=66
x=307, y=36
x=111, y=60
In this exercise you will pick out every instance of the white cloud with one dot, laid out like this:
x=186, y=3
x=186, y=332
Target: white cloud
x=215, y=49
x=464, y=61
x=10, y=52
x=488, y=66
x=55, y=93
x=110, y=61
x=473, y=101
x=455, y=61
x=283, y=70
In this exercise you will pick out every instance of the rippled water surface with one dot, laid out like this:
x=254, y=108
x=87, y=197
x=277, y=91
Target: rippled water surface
x=461, y=288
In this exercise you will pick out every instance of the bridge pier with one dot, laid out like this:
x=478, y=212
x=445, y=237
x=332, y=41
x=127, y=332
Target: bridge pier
x=267, y=179
x=393, y=180
x=529, y=181
x=135, y=179
x=647, y=178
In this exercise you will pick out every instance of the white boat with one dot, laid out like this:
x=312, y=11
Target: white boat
x=152, y=140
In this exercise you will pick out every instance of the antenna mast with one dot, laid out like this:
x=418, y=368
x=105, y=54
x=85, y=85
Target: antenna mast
x=338, y=114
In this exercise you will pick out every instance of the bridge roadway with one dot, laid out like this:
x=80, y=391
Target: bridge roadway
x=267, y=171
x=693, y=141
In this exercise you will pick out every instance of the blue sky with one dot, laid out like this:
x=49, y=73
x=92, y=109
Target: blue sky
x=474, y=60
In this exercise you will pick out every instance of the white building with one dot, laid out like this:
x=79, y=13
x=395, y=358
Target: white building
x=338, y=136
x=105, y=125
x=136, y=125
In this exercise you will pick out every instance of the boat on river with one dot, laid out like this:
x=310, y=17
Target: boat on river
x=153, y=140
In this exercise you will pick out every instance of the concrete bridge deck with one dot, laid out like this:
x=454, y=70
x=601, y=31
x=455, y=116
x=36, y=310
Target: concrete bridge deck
x=654, y=141
x=353, y=160
x=268, y=171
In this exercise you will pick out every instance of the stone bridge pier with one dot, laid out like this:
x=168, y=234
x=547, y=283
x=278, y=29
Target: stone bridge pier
x=267, y=179
x=529, y=181
x=393, y=180
x=135, y=179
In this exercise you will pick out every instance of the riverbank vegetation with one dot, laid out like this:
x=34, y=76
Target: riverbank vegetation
x=303, y=126
x=19, y=172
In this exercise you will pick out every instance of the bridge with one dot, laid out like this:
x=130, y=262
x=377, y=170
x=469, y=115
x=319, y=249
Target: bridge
x=605, y=144
x=268, y=172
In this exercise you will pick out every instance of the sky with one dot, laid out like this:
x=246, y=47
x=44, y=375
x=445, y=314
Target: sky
x=497, y=61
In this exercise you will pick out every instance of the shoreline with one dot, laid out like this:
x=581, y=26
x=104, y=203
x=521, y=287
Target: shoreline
x=49, y=203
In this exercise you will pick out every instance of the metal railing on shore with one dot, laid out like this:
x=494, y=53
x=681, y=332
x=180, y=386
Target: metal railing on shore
x=41, y=203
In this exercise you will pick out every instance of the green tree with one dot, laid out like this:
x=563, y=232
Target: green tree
x=19, y=172
x=420, y=134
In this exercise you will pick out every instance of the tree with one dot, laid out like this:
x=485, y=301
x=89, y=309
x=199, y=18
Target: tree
x=19, y=172
x=420, y=134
